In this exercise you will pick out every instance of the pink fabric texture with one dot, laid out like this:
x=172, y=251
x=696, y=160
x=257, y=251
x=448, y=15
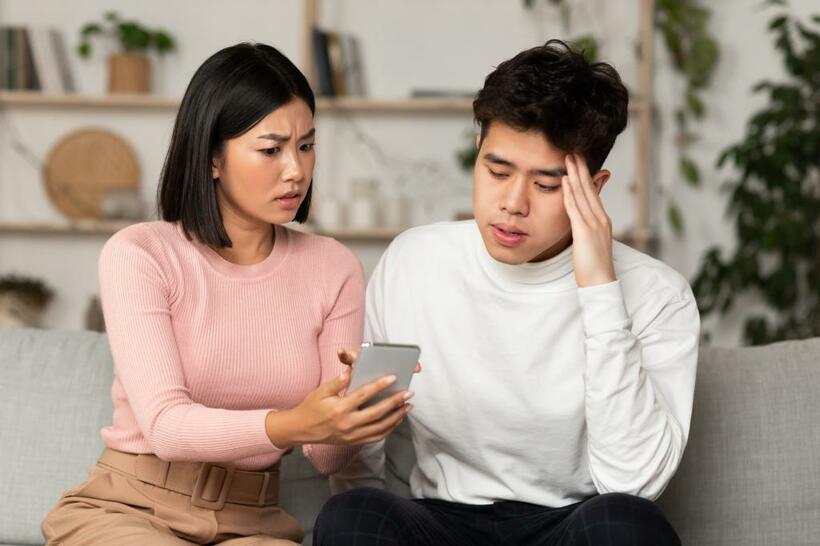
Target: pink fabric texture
x=204, y=348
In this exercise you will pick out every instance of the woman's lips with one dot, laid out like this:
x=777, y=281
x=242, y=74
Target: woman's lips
x=506, y=237
x=289, y=201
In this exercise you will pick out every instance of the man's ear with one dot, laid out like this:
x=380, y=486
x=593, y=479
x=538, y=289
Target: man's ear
x=600, y=179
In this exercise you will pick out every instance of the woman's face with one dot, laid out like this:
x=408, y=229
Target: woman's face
x=264, y=174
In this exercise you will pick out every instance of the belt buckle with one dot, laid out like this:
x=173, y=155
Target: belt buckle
x=202, y=482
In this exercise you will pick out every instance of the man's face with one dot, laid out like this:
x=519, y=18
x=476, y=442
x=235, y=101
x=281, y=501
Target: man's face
x=518, y=203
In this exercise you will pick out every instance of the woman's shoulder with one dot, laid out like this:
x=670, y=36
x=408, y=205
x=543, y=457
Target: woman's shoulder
x=322, y=246
x=145, y=239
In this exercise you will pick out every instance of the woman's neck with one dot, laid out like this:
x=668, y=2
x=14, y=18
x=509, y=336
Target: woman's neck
x=252, y=242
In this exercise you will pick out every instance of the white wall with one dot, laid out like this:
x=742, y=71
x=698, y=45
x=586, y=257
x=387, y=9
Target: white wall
x=424, y=43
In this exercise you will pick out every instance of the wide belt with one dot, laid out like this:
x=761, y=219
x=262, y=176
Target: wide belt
x=210, y=485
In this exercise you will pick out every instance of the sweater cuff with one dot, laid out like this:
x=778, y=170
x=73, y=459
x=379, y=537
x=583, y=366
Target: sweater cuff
x=603, y=309
x=261, y=431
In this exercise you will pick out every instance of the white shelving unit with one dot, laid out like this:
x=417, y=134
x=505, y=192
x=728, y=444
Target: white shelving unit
x=107, y=228
x=640, y=108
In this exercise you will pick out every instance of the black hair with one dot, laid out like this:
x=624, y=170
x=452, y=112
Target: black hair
x=231, y=92
x=580, y=107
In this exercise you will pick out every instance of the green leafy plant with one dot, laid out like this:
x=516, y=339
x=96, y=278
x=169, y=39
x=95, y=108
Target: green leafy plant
x=775, y=200
x=683, y=25
x=131, y=36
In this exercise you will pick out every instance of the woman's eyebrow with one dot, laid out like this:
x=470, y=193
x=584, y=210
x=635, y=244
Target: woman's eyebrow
x=283, y=138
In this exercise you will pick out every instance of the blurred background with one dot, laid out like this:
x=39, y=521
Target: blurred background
x=716, y=175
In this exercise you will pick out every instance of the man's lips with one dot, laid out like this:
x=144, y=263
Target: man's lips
x=507, y=235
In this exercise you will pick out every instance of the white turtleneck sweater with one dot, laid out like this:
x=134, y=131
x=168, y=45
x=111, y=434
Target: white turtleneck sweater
x=533, y=389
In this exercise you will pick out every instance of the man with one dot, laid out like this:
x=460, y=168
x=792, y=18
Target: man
x=559, y=367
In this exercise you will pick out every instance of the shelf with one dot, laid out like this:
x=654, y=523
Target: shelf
x=34, y=99
x=412, y=105
x=107, y=228
x=349, y=234
x=323, y=104
x=77, y=227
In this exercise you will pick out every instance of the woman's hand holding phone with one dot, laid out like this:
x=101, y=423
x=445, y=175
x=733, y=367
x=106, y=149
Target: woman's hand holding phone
x=330, y=415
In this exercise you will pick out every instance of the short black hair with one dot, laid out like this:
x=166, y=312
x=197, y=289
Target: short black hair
x=232, y=91
x=580, y=107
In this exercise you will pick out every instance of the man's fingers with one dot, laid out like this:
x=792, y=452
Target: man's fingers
x=581, y=201
x=592, y=195
x=570, y=205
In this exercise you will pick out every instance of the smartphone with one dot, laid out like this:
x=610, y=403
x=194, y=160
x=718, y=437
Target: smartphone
x=377, y=360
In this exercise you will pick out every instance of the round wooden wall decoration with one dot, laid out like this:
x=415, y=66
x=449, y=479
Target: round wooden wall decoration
x=85, y=165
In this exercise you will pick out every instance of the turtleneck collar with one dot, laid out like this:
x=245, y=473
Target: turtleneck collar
x=524, y=277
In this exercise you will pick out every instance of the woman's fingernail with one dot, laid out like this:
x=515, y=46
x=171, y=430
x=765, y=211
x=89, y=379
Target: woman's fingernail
x=408, y=395
x=408, y=407
x=389, y=380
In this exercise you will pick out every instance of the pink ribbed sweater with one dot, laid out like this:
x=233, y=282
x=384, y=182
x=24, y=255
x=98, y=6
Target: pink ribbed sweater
x=204, y=348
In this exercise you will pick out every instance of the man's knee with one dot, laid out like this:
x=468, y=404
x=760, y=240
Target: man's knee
x=349, y=513
x=626, y=519
x=354, y=500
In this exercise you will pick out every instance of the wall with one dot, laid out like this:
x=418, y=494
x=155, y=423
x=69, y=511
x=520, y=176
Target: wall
x=406, y=45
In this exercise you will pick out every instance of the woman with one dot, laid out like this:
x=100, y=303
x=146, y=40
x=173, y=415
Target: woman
x=225, y=328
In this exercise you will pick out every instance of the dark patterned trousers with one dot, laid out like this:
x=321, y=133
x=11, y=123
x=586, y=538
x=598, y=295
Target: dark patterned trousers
x=372, y=517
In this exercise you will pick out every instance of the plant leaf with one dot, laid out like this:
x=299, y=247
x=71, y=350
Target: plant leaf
x=89, y=29
x=695, y=105
x=675, y=218
x=690, y=171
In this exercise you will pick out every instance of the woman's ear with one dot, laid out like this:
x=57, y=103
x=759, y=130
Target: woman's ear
x=600, y=179
x=215, y=168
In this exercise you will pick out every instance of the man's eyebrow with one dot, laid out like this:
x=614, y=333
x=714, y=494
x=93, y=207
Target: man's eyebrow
x=492, y=158
x=283, y=138
x=553, y=173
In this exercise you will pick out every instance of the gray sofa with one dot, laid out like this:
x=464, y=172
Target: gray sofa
x=750, y=476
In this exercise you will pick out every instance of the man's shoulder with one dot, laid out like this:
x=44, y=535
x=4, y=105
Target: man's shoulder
x=640, y=273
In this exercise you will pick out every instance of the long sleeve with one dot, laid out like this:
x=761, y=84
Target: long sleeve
x=367, y=469
x=342, y=329
x=137, y=295
x=639, y=386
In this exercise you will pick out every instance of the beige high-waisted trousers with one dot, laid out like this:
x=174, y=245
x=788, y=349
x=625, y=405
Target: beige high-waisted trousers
x=140, y=500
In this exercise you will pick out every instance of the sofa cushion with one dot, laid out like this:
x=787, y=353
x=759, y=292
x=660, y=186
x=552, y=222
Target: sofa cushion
x=750, y=474
x=54, y=398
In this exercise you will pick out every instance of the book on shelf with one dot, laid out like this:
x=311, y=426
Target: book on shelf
x=33, y=59
x=337, y=58
x=352, y=66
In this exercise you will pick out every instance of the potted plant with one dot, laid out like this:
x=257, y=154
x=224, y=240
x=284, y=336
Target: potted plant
x=774, y=200
x=128, y=70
